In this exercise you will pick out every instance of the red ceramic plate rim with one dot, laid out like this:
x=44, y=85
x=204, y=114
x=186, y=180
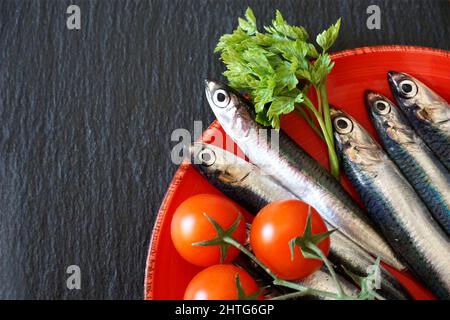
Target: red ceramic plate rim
x=154, y=242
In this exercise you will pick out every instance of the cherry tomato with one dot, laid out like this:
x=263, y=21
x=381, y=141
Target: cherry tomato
x=219, y=283
x=190, y=225
x=272, y=229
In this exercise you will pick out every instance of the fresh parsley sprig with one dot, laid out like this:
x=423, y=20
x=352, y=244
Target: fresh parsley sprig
x=278, y=67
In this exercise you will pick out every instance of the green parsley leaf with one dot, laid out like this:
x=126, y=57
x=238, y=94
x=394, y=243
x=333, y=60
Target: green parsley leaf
x=269, y=65
x=312, y=51
x=285, y=75
x=277, y=67
x=263, y=94
x=326, y=39
x=281, y=29
x=249, y=24
x=322, y=67
x=262, y=118
x=281, y=105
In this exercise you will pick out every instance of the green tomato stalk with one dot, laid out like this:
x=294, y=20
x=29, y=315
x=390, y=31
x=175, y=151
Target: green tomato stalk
x=277, y=68
x=307, y=243
x=301, y=290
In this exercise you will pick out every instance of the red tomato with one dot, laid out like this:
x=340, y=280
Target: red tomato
x=272, y=229
x=219, y=283
x=190, y=225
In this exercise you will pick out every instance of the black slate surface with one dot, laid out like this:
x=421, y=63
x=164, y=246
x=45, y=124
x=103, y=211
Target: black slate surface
x=86, y=118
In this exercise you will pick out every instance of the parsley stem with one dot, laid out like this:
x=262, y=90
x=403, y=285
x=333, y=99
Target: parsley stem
x=313, y=116
x=319, y=100
x=278, y=67
x=310, y=122
x=326, y=109
x=327, y=133
x=328, y=136
x=307, y=102
x=334, y=161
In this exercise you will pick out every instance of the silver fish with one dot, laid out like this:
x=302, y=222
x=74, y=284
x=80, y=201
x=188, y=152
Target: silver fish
x=296, y=171
x=322, y=280
x=428, y=113
x=246, y=184
x=424, y=171
x=394, y=205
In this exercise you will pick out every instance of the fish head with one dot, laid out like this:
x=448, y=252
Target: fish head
x=353, y=142
x=417, y=100
x=405, y=89
x=387, y=119
x=230, y=108
x=216, y=163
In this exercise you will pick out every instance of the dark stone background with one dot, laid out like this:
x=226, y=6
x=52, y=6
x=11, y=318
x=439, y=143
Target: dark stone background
x=86, y=118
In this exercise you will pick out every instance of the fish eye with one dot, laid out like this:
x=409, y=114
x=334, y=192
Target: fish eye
x=343, y=125
x=382, y=107
x=207, y=157
x=408, y=89
x=221, y=98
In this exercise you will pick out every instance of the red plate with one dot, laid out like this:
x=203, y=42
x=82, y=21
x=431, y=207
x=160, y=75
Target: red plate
x=167, y=274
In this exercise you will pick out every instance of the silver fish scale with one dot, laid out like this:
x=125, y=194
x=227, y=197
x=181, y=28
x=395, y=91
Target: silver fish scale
x=249, y=187
x=428, y=113
x=436, y=137
x=430, y=179
x=304, y=177
x=322, y=280
x=405, y=222
x=424, y=171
